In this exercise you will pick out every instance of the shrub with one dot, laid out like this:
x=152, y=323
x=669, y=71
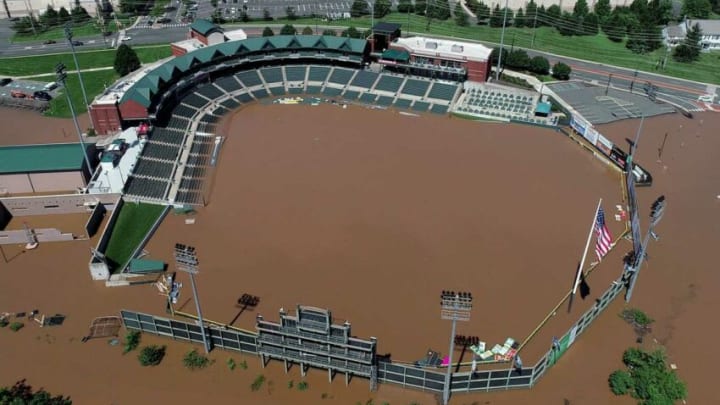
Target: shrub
x=195, y=361
x=132, y=340
x=4, y=322
x=561, y=71
x=231, y=364
x=291, y=384
x=16, y=326
x=620, y=382
x=244, y=365
x=151, y=355
x=637, y=316
x=648, y=379
x=257, y=383
x=302, y=386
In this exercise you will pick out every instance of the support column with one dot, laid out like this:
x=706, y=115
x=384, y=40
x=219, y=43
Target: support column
x=262, y=360
x=302, y=370
x=347, y=378
x=330, y=375
x=286, y=365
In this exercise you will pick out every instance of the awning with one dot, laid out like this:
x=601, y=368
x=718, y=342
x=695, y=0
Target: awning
x=396, y=55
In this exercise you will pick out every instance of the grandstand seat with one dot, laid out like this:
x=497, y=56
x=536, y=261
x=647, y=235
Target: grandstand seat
x=331, y=92
x=277, y=91
x=228, y=83
x=368, y=97
x=209, y=91
x=260, y=93
x=295, y=73
x=364, y=79
x=249, y=77
x=420, y=106
x=194, y=100
x=272, y=75
x=415, y=87
x=389, y=83
x=318, y=73
x=442, y=91
x=351, y=95
x=340, y=76
x=384, y=101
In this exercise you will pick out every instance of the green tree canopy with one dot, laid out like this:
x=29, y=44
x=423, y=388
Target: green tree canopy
x=603, y=9
x=267, y=32
x=461, y=17
x=689, y=50
x=420, y=7
x=126, y=60
x=329, y=32
x=382, y=8
x=539, y=65
x=647, y=379
x=405, y=6
x=359, y=8
x=21, y=393
x=519, y=20
x=561, y=71
x=307, y=31
x=696, y=8
x=288, y=29
x=581, y=8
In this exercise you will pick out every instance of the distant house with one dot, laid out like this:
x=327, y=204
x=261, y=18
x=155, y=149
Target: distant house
x=673, y=35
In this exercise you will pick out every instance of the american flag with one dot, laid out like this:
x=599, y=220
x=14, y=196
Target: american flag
x=604, y=240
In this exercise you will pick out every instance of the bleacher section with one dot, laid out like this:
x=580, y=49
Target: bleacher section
x=500, y=103
x=177, y=158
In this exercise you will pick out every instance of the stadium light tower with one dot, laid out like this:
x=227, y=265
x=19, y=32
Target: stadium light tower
x=61, y=78
x=502, y=42
x=656, y=214
x=186, y=261
x=454, y=306
x=69, y=36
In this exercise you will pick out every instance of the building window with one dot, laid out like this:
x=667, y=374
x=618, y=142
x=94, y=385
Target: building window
x=431, y=45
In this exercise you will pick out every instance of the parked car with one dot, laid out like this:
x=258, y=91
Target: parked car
x=77, y=43
x=50, y=86
x=5, y=81
x=42, y=95
x=163, y=20
x=17, y=94
x=49, y=41
x=126, y=38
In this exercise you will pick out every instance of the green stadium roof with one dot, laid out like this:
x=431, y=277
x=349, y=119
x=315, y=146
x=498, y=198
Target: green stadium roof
x=204, y=27
x=143, y=91
x=543, y=108
x=58, y=157
x=394, y=54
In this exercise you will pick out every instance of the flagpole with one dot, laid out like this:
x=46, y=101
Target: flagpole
x=582, y=261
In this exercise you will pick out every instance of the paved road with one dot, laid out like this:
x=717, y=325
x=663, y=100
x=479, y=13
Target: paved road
x=682, y=92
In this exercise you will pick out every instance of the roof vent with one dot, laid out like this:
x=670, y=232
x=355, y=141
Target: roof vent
x=431, y=45
x=457, y=48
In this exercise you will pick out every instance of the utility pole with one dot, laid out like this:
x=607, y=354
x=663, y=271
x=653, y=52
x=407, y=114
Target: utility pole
x=61, y=78
x=186, y=260
x=30, y=14
x=455, y=307
x=7, y=10
x=532, y=41
x=608, y=83
x=632, y=83
x=502, y=43
x=69, y=36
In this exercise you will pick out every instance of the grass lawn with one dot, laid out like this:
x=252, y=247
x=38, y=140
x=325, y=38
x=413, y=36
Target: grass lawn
x=133, y=223
x=30, y=65
x=95, y=83
x=87, y=29
x=593, y=48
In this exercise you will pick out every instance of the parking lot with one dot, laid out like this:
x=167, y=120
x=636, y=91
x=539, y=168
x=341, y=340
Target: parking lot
x=278, y=8
x=27, y=87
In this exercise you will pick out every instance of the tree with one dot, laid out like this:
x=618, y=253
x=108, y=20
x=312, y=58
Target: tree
x=351, y=32
x=689, y=50
x=660, y=11
x=482, y=12
x=568, y=25
x=519, y=20
x=359, y=8
x=439, y=9
x=21, y=393
x=307, y=31
x=696, y=8
x=382, y=8
x=330, y=33
x=126, y=60
x=405, y=6
x=581, y=9
x=603, y=9
x=553, y=13
x=496, y=18
x=614, y=26
x=531, y=12
x=518, y=59
x=647, y=379
x=267, y=32
x=195, y=361
x=590, y=24
x=496, y=53
x=79, y=14
x=539, y=65
x=461, y=18
x=420, y=7
x=288, y=29
x=266, y=15
x=50, y=18
x=63, y=16
x=290, y=13
x=561, y=71
x=151, y=355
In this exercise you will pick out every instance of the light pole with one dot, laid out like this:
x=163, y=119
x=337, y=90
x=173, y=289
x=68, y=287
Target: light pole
x=502, y=42
x=372, y=22
x=69, y=36
x=186, y=261
x=656, y=213
x=455, y=307
x=61, y=78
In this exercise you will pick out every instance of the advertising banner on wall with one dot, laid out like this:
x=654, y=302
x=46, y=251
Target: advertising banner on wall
x=591, y=135
x=604, y=144
x=578, y=124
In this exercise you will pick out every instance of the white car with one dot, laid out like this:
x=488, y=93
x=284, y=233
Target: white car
x=125, y=38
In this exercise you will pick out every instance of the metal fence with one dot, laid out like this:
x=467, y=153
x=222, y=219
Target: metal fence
x=405, y=375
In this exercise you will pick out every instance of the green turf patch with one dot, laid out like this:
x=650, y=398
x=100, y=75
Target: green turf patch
x=45, y=64
x=95, y=83
x=133, y=223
